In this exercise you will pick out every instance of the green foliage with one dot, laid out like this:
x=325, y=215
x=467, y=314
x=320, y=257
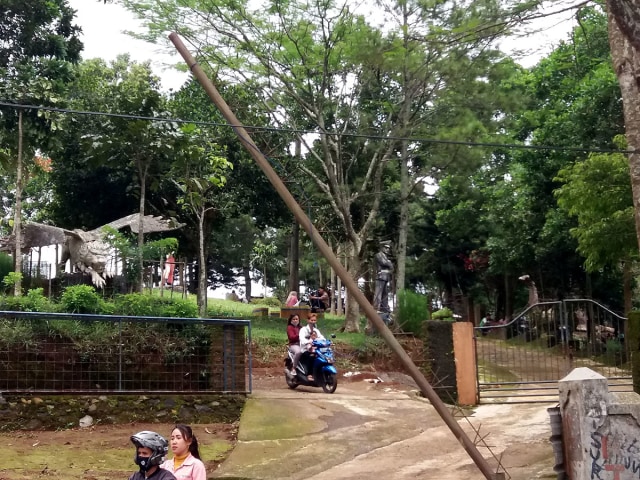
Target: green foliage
x=80, y=299
x=160, y=248
x=229, y=309
x=268, y=301
x=6, y=265
x=445, y=314
x=597, y=191
x=142, y=305
x=16, y=333
x=179, y=308
x=11, y=279
x=412, y=311
x=35, y=301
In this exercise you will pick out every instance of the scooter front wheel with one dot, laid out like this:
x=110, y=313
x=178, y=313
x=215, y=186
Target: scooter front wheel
x=291, y=382
x=329, y=382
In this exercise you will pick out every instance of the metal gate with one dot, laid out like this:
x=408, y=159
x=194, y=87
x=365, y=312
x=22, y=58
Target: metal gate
x=523, y=360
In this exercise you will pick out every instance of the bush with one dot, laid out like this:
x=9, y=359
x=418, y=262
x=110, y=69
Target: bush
x=412, y=311
x=141, y=305
x=80, y=299
x=6, y=264
x=445, y=314
x=268, y=301
x=180, y=308
x=134, y=304
x=33, y=301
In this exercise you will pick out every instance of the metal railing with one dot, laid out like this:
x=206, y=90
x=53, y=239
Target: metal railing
x=526, y=357
x=76, y=353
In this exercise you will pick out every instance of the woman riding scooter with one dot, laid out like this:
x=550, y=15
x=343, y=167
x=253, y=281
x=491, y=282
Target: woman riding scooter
x=293, y=334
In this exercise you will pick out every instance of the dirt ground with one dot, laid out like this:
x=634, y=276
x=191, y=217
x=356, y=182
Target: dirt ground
x=104, y=452
x=96, y=453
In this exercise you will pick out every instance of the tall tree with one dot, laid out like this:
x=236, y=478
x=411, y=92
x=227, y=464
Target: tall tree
x=38, y=40
x=597, y=191
x=624, y=37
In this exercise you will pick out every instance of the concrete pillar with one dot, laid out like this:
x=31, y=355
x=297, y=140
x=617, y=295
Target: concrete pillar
x=632, y=344
x=464, y=350
x=583, y=405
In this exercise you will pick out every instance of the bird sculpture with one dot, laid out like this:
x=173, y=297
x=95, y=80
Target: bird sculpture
x=88, y=250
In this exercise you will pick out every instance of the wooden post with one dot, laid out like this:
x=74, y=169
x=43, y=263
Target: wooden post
x=464, y=352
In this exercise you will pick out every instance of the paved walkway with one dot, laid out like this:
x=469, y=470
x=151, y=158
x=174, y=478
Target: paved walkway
x=367, y=430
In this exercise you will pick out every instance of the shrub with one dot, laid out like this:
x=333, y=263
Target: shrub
x=10, y=279
x=444, y=314
x=134, y=304
x=142, y=305
x=6, y=264
x=33, y=301
x=180, y=308
x=412, y=311
x=268, y=301
x=80, y=299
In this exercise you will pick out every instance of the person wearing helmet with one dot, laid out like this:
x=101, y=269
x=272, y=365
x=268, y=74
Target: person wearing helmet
x=151, y=448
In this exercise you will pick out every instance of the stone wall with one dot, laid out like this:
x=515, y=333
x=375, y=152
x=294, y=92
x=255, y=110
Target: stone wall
x=601, y=429
x=439, y=354
x=19, y=412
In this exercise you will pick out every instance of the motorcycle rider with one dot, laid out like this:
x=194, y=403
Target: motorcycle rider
x=306, y=339
x=151, y=448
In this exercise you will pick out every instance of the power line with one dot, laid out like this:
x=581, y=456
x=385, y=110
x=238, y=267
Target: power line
x=512, y=146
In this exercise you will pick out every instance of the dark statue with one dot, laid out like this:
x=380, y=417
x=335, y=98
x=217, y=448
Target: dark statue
x=88, y=251
x=383, y=278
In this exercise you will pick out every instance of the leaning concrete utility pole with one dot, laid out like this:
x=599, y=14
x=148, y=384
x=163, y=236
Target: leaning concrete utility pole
x=325, y=250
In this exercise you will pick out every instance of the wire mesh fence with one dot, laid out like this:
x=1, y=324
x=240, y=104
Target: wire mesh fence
x=70, y=353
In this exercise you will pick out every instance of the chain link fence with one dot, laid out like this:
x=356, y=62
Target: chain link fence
x=73, y=353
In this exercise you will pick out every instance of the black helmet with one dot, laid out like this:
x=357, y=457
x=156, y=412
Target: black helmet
x=154, y=441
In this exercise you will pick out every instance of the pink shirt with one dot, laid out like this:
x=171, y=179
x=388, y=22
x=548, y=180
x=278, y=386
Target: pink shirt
x=292, y=302
x=191, y=469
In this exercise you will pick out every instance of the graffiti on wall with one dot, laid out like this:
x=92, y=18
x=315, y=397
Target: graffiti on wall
x=614, y=457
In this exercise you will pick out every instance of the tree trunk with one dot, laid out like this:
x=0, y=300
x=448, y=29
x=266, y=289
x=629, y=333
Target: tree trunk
x=294, y=258
x=202, y=269
x=625, y=64
x=246, y=272
x=627, y=286
x=142, y=172
x=403, y=227
x=352, y=318
x=17, y=218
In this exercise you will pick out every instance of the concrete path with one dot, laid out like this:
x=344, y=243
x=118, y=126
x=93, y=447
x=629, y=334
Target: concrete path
x=367, y=430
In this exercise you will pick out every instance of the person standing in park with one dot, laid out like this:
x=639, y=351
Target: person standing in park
x=292, y=299
x=186, y=463
x=383, y=278
x=151, y=448
x=319, y=302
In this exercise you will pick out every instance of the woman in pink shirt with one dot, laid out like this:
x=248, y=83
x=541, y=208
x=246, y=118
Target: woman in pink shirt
x=186, y=463
x=292, y=299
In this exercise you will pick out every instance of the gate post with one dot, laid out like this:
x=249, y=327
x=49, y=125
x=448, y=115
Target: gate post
x=633, y=346
x=464, y=353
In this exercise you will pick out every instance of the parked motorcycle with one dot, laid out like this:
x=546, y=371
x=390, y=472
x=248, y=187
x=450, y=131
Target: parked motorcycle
x=319, y=364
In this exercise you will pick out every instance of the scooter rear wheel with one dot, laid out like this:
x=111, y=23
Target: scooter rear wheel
x=329, y=382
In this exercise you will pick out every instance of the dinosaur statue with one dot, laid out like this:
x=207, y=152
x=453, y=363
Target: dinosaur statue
x=531, y=287
x=88, y=250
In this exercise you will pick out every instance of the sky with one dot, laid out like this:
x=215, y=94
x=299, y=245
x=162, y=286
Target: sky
x=103, y=37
